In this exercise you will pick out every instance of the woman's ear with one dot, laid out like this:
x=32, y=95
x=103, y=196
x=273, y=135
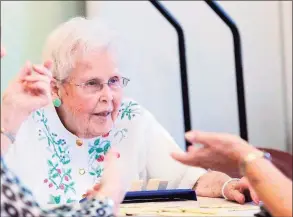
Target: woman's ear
x=55, y=89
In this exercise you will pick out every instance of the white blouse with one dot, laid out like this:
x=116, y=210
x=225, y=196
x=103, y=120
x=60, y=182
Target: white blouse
x=58, y=171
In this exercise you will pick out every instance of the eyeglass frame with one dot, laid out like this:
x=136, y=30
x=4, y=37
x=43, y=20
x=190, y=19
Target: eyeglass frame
x=101, y=84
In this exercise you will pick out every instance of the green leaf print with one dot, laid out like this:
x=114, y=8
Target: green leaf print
x=92, y=173
x=55, y=199
x=66, y=162
x=50, y=163
x=98, y=172
x=107, y=147
x=60, y=150
x=70, y=186
x=99, y=150
x=68, y=171
x=38, y=113
x=97, y=142
x=91, y=150
x=55, y=175
x=70, y=200
x=66, y=189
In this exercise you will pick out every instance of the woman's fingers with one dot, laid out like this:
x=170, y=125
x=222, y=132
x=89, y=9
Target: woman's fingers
x=192, y=157
x=90, y=193
x=38, y=88
x=38, y=83
x=26, y=70
x=43, y=70
x=37, y=77
x=237, y=196
x=203, y=138
x=185, y=158
x=97, y=187
x=245, y=185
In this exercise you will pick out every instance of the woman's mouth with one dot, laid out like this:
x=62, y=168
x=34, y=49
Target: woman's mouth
x=103, y=114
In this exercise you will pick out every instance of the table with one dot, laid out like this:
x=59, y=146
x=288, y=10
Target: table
x=202, y=207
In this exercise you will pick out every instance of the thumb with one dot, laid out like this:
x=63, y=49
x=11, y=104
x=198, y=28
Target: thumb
x=238, y=197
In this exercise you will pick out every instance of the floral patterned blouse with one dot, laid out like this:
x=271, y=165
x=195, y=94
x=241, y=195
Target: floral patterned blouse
x=17, y=200
x=59, y=167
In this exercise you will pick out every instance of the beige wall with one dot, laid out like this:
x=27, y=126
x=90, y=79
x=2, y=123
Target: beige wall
x=24, y=28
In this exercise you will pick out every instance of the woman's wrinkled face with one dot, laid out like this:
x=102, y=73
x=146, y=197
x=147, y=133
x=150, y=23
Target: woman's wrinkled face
x=90, y=108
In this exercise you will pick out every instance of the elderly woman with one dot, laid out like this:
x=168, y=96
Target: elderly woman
x=63, y=143
x=17, y=200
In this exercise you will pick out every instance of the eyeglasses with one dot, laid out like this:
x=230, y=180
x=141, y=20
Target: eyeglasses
x=94, y=85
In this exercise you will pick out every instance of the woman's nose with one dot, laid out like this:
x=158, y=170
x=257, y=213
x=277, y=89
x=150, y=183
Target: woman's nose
x=106, y=94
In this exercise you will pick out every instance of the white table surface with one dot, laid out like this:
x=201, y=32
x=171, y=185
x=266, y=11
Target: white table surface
x=202, y=207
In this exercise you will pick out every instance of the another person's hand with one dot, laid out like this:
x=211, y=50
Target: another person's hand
x=111, y=185
x=219, y=149
x=234, y=191
x=29, y=91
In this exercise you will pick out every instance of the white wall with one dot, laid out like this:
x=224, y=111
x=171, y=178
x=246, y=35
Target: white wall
x=150, y=59
x=24, y=28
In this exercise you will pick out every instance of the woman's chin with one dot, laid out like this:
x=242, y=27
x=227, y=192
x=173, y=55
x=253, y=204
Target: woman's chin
x=101, y=130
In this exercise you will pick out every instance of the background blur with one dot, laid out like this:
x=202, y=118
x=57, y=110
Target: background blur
x=148, y=55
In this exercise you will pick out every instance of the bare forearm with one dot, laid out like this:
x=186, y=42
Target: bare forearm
x=11, y=120
x=271, y=186
x=210, y=184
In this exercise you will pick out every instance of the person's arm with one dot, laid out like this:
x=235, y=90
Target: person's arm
x=11, y=121
x=162, y=166
x=272, y=187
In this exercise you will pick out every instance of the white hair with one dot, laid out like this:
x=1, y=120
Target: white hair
x=73, y=38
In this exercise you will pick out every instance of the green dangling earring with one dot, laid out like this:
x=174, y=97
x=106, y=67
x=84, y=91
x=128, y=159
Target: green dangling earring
x=57, y=102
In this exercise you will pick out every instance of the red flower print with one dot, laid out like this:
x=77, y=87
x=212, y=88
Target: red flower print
x=46, y=180
x=101, y=158
x=50, y=185
x=66, y=178
x=105, y=135
x=118, y=155
x=59, y=171
x=61, y=186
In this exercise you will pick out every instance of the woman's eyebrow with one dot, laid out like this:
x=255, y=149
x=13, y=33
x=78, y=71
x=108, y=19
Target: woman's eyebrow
x=92, y=79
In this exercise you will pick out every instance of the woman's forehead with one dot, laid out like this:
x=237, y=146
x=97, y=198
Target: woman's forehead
x=95, y=65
